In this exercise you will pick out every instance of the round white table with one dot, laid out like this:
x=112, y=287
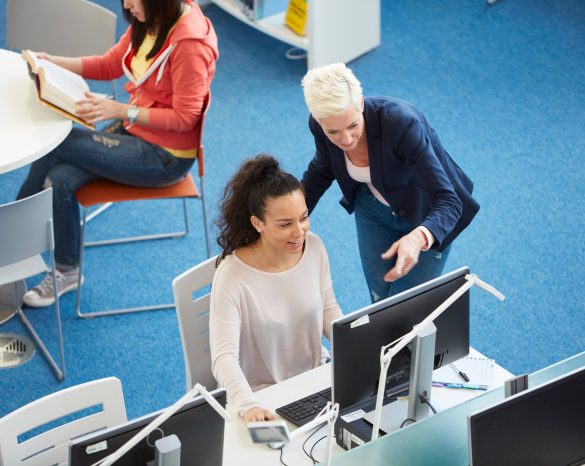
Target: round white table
x=29, y=131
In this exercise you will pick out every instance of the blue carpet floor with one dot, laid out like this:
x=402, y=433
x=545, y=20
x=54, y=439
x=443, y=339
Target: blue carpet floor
x=503, y=85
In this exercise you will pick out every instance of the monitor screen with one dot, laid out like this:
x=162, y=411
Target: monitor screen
x=358, y=337
x=543, y=426
x=197, y=425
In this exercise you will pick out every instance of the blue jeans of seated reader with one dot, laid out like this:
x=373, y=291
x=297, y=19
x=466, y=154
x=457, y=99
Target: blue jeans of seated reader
x=85, y=156
x=377, y=228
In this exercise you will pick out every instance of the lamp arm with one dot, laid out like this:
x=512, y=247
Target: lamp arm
x=219, y=409
x=386, y=354
x=197, y=389
x=484, y=286
x=389, y=351
x=328, y=414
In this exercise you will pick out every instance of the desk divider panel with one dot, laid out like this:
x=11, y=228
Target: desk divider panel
x=442, y=439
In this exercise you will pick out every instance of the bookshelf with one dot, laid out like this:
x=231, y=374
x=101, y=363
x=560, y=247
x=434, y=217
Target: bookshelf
x=337, y=30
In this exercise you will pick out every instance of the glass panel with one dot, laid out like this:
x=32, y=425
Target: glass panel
x=555, y=370
x=442, y=439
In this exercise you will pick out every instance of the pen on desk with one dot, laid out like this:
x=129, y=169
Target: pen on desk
x=468, y=386
x=461, y=373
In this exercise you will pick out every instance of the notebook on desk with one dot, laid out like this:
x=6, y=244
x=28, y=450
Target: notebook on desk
x=479, y=370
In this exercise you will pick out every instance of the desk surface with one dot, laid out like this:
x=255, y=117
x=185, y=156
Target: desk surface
x=29, y=130
x=239, y=449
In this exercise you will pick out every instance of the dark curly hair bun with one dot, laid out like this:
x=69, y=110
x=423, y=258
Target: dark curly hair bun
x=258, y=179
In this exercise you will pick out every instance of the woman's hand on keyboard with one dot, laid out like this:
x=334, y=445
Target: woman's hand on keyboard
x=258, y=414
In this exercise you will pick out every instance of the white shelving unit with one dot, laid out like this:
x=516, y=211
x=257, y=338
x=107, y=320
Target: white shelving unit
x=337, y=30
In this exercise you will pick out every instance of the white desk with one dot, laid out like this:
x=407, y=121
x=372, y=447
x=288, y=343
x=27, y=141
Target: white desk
x=239, y=449
x=29, y=131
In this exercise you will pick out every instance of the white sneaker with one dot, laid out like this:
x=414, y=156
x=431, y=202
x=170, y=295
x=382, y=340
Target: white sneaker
x=44, y=295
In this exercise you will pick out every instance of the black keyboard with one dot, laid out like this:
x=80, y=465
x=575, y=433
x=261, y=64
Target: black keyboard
x=304, y=410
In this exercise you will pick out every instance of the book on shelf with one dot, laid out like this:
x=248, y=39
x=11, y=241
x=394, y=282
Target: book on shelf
x=252, y=9
x=255, y=10
x=57, y=88
x=296, y=16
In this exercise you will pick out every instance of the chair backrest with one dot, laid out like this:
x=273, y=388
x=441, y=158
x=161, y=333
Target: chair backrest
x=60, y=27
x=52, y=446
x=26, y=227
x=193, y=317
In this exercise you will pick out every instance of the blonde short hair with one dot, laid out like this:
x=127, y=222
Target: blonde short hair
x=330, y=89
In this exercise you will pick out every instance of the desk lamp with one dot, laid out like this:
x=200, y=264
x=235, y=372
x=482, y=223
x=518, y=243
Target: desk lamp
x=389, y=351
x=167, y=413
x=275, y=433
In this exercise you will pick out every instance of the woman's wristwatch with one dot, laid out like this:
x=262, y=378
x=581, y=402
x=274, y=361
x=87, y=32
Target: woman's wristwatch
x=132, y=114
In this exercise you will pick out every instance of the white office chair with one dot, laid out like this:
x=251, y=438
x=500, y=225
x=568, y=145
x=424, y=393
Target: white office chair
x=26, y=229
x=70, y=28
x=52, y=446
x=193, y=317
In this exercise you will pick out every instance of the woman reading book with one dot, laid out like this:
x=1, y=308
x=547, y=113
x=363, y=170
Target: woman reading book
x=168, y=55
x=272, y=298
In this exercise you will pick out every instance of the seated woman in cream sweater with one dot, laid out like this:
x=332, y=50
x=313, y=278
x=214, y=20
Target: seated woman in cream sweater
x=272, y=297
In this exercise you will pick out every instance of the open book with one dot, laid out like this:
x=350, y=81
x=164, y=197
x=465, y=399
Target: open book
x=57, y=88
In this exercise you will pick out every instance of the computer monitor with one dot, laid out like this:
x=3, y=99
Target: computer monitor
x=198, y=426
x=359, y=336
x=541, y=426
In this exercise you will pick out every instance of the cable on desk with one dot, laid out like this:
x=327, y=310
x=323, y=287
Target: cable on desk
x=408, y=419
x=424, y=399
x=313, y=447
x=281, y=453
x=309, y=454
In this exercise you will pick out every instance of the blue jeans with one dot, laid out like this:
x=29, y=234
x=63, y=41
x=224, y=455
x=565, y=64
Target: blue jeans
x=85, y=156
x=377, y=228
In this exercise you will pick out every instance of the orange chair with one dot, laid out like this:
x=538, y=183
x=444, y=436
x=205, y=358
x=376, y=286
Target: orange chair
x=105, y=191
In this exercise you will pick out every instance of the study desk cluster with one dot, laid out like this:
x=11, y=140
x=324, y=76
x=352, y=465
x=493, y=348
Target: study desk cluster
x=239, y=449
x=29, y=131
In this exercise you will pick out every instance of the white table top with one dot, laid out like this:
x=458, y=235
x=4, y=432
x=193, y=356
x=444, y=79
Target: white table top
x=239, y=449
x=29, y=130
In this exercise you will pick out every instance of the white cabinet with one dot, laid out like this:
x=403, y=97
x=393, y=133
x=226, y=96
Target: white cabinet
x=337, y=30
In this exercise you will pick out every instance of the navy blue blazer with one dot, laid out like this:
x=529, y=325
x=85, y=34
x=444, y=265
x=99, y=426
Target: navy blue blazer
x=409, y=167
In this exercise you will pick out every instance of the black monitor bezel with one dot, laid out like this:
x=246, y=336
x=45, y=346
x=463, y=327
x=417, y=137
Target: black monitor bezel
x=552, y=435
x=118, y=435
x=355, y=357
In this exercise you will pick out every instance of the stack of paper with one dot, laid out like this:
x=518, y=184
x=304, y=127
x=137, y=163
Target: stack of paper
x=479, y=370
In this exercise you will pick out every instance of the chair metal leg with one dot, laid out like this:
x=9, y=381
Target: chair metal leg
x=185, y=216
x=90, y=315
x=59, y=371
x=99, y=210
x=177, y=234
x=131, y=239
x=79, y=279
x=57, y=302
x=128, y=310
x=205, y=226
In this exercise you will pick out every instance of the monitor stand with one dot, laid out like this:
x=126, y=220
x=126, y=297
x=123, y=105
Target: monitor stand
x=396, y=414
x=393, y=415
